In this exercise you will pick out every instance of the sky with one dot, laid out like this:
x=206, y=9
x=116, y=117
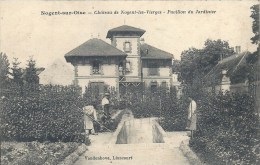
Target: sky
x=24, y=32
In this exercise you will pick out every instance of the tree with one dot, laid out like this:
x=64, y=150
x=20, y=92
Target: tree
x=253, y=57
x=188, y=65
x=255, y=27
x=4, y=69
x=175, y=66
x=30, y=75
x=17, y=72
x=214, y=51
x=196, y=63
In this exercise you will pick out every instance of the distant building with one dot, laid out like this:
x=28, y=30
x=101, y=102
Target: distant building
x=220, y=79
x=57, y=73
x=126, y=62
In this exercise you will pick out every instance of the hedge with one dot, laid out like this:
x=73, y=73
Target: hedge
x=42, y=113
x=228, y=129
x=164, y=104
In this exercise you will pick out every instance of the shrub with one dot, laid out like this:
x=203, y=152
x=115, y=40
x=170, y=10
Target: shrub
x=228, y=129
x=162, y=103
x=42, y=113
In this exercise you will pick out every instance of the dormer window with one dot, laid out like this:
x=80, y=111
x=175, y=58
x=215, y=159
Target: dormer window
x=127, y=47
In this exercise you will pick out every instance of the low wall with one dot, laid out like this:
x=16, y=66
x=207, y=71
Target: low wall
x=122, y=135
x=119, y=135
x=158, y=133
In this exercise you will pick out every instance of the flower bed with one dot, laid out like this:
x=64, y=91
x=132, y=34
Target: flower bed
x=24, y=153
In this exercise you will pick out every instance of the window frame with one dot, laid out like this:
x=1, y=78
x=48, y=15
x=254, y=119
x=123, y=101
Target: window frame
x=127, y=49
x=98, y=69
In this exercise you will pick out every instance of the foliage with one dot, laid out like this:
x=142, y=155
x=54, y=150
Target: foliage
x=115, y=121
x=213, y=51
x=31, y=76
x=188, y=65
x=92, y=96
x=35, y=152
x=162, y=103
x=255, y=26
x=196, y=63
x=4, y=69
x=228, y=129
x=46, y=113
x=17, y=72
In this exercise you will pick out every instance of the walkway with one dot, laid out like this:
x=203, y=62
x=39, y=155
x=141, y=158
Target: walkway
x=141, y=151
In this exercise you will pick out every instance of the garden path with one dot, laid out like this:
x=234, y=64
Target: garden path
x=139, y=152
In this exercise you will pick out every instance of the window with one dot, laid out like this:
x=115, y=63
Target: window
x=164, y=84
x=96, y=67
x=128, y=66
x=127, y=46
x=153, y=87
x=153, y=69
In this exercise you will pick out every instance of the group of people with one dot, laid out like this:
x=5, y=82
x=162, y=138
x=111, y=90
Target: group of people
x=90, y=115
x=91, y=123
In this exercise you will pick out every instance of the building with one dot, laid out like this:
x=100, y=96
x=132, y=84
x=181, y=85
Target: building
x=229, y=75
x=126, y=63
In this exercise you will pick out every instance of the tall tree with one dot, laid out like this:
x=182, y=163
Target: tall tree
x=188, y=65
x=255, y=27
x=17, y=72
x=30, y=75
x=214, y=51
x=4, y=69
x=195, y=63
x=253, y=57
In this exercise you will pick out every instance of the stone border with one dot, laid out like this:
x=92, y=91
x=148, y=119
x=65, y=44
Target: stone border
x=73, y=157
x=127, y=116
x=189, y=154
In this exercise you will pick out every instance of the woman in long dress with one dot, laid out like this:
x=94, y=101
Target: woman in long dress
x=192, y=117
x=89, y=115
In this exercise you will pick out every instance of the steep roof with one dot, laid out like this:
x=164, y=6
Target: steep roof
x=94, y=47
x=124, y=29
x=150, y=52
x=230, y=64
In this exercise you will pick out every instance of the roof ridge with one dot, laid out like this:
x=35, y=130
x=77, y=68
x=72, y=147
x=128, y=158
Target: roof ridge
x=95, y=47
x=158, y=48
x=246, y=53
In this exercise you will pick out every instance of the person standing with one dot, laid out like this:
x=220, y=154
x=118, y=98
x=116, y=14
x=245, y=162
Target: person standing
x=89, y=115
x=105, y=104
x=192, y=116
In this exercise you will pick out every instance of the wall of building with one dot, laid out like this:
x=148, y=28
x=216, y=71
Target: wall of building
x=106, y=70
x=149, y=80
x=120, y=40
x=133, y=57
x=109, y=75
x=83, y=82
x=163, y=71
x=134, y=67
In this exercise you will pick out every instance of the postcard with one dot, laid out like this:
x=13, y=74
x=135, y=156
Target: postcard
x=129, y=82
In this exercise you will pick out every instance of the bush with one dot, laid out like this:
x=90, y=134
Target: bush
x=228, y=129
x=42, y=113
x=164, y=104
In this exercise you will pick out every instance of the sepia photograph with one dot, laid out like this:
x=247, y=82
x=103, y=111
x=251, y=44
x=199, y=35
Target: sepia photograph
x=129, y=82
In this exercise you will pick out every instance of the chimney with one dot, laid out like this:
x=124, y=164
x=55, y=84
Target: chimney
x=238, y=49
x=142, y=41
x=220, y=58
